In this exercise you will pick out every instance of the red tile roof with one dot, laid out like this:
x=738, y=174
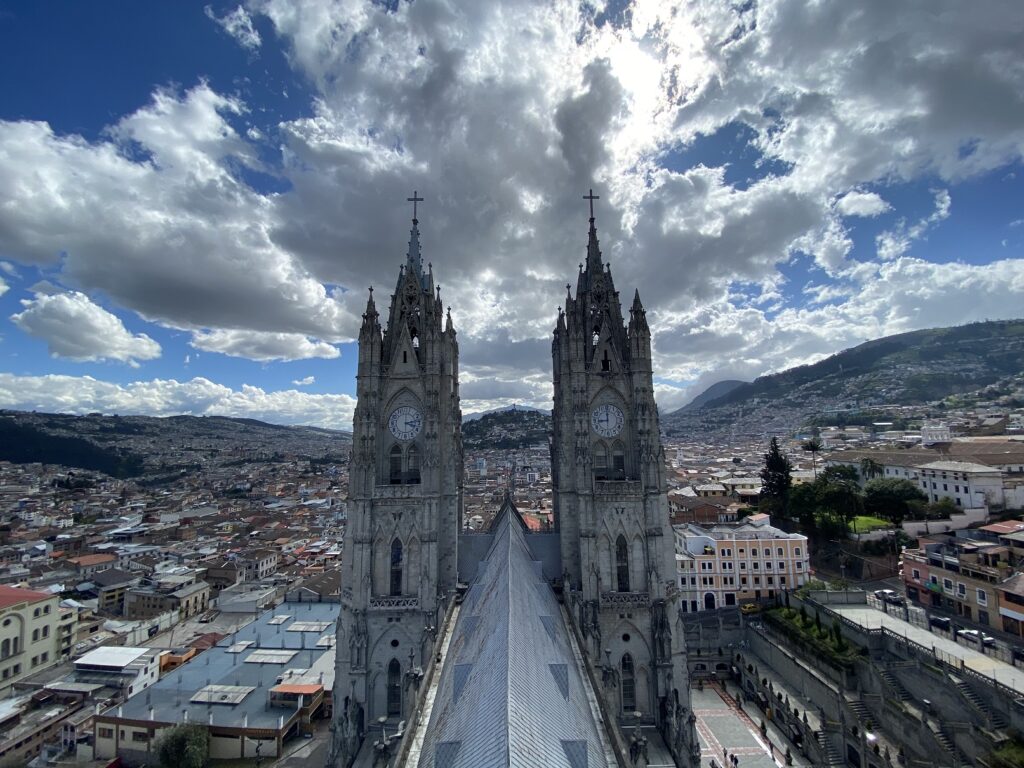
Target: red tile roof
x=13, y=595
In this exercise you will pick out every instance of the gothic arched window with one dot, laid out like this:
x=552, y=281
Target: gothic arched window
x=628, y=684
x=396, y=567
x=413, y=462
x=394, y=688
x=621, y=564
x=5, y=648
x=395, y=465
x=600, y=461
x=618, y=461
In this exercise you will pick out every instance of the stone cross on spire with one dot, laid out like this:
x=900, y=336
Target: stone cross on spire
x=591, y=197
x=414, y=199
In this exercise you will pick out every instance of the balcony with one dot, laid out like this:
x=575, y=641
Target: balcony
x=394, y=603
x=625, y=598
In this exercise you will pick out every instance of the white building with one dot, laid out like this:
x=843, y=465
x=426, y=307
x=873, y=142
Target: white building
x=966, y=484
x=726, y=564
x=935, y=433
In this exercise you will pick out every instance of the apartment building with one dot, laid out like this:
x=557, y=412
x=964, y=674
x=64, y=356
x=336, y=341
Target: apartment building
x=35, y=633
x=960, y=576
x=1010, y=595
x=966, y=484
x=727, y=564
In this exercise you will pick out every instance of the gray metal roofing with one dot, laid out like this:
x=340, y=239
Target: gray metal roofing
x=170, y=697
x=510, y=692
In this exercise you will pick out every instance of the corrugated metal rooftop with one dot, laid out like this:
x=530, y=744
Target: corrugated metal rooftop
x=511, y=692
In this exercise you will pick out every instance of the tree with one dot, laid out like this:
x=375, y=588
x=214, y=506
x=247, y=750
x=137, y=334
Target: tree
x=776, y=477
x=869, y=468
x=813, y=446
x=840, y=473
x=184, y=746
x=803, y=506
x=891, y=498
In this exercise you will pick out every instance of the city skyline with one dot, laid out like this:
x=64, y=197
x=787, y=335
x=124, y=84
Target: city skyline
x=195, y=198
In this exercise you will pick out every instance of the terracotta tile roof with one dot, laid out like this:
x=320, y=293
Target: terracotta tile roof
x=13, y=595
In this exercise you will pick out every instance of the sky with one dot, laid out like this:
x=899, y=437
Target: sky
x=196, y=197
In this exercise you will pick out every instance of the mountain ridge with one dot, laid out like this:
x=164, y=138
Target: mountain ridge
x=911, y=368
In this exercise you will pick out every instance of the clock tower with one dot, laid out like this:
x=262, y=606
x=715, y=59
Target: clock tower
x=404, y=506
x=611, y=505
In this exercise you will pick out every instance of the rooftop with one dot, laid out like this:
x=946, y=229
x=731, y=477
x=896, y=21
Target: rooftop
x=10, y=596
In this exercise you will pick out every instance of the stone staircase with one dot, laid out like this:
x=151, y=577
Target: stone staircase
x=997, y=721
x=893, y=683
x=832, y=758
x=945, y=740
x=860, y=710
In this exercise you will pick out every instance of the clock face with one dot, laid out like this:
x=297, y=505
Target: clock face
x=405, y=422
x=606, y=420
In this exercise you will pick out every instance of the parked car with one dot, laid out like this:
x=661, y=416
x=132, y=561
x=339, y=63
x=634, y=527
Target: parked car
x=976, y=636
x=886, y=594
x=939, y=621
x=750, y=608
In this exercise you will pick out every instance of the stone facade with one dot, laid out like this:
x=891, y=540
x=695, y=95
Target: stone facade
x=405, y=506
x=611, y=506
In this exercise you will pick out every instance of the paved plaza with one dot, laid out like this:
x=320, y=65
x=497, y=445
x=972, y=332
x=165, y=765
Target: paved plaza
x=722, y=726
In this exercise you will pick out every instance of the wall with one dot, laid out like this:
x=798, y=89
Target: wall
x=955, y=522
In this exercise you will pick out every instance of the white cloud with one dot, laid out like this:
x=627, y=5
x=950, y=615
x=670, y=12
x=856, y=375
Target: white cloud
x=838, y=99
x=304, y=382
x=858, y=203
x=259, y=345
x=74, y=327
x=199, y=396
x=895, y=242
x=3, y=286
x=238, y=24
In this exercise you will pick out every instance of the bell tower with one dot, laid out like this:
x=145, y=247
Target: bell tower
x=404, y=505
x=611, y=507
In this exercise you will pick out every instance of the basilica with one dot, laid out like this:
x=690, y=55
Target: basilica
x=508, y=648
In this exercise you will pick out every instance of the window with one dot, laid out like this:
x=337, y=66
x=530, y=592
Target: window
x=726, y=566
x=394, y=688
x=782, y=566
x=982, y=597
x=628, y=684
x=622, y=564
x=961, y=589
x=105, y=733
x=753, y=553
x=44, y=657
x=707, y=565
x=35, y=635
x=395, y=465
x=46, y=631
x=396, y=567
x=743, y=566
x=743, y=581
x=757, y=581
x=771, y=579
x=757, y=566
x=140, y=736
x=779, y=551
x=916, y=574
x=947, y=584
x=619, y=461
x=782, y=580
x=413, y=458
x=600, y=461
x=605, y=362
x=799, y=565
x=768, y=565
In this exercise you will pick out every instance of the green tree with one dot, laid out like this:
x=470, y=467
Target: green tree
x=803, y=506
x=813, y=446
x=941, y=509
x=869, y=468
x=184, y=746
x=891, y=498
x=776, y=477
